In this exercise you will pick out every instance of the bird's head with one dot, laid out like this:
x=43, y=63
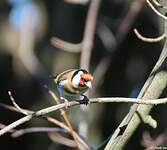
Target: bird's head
x=82, y=79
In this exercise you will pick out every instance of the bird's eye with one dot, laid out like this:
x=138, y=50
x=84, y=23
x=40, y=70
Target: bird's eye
x=82, y=82
x=83, y=79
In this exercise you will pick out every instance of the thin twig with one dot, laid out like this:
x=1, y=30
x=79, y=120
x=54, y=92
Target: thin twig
x=83, y=2
x=49, y=119
x=64, y=45
x=151, y=143
x=74, y=103
x=128, y=20
x=129, y=100
x=3, y=126
x=146, y=39
x=52, y=132
x=16, y=105
x=119, y=141
x=109, y=41
x=87, y=45
x=21, y=132
x=12, y=108
x=64, y=115
x=27, y=40
x=58, y=138
x=89, y=32
x=123, y=29
x=107, y=36
x=156, y=11
x=157, y=3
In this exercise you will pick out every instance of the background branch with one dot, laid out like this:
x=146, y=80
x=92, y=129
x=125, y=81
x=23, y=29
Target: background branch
x=156, y=11
x=115, y=42
x=49, y=119
x=64, y=45
x=86, y=47
x=146, y=39
x=66, y=120
x=156, y=82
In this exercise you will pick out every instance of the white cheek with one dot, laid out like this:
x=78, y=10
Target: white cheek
x=76, y=80
x=89, y=84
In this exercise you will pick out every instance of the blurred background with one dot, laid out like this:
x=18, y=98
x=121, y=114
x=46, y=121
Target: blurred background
x=120, y=63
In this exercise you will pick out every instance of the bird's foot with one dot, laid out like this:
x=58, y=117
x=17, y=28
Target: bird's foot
x=66, y=102
x=85, y=100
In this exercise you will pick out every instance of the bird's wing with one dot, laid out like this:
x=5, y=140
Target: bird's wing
x=63, y=75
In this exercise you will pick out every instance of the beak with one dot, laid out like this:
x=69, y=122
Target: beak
x=89, y=84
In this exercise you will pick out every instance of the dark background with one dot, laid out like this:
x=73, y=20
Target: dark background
x=129, y=66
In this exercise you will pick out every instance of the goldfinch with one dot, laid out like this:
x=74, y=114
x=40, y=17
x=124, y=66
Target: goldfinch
x=73, y=82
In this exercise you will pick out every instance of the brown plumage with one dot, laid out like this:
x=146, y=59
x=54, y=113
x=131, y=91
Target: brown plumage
x=73, y=82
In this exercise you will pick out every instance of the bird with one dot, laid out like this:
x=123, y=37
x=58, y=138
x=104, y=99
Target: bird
x=73, y=83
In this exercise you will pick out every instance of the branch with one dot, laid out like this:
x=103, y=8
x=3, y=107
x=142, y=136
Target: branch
x=61, y=111
x=62, y=125
x=156, y=11
x=57, y=138
x=64, y=115
x=157, y=3
x=49, y=119
x=64, y=45
x=87, y=45
x=82, y=2
x=129, y=19
x=89, y=32
x=74, y=103
x=146, y=39
x=121, y=33
x=53, y=133
x=16, y=105
x=152, y=88
x=151, y=143
x=21, y=132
